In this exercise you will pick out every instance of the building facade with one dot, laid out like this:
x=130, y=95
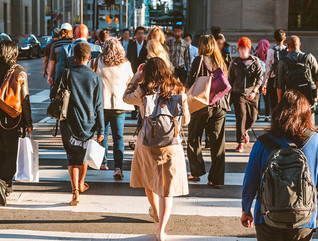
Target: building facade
x=256, y=19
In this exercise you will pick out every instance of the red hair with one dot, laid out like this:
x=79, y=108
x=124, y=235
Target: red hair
x=245, y=42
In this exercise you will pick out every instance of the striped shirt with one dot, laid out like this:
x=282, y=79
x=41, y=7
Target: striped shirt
x=179, y=53
x=56, y=49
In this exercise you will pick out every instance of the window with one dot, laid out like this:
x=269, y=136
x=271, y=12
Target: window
x=117, y=7
x=5, y=17
x=26, y=20
x=303, y=15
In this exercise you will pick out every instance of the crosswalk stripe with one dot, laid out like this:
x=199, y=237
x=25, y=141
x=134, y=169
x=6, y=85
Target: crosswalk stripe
x=17, y=235
x=201, y=206
x=234, y=179
x=40, y=97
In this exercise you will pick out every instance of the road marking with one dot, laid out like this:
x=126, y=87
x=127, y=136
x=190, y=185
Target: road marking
x=40, y=96
x=201, y=206
x=19, y=235
x=101, y=176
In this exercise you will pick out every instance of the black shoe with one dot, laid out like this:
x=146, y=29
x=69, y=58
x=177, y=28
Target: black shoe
x=266, y=119
x=3, y=197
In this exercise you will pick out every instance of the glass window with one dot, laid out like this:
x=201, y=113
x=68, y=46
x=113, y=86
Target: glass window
x=303, y=15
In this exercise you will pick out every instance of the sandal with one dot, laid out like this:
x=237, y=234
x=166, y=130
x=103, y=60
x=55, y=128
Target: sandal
x=83, y=187
x=193, y=179
x=151, y=213
x=75, y=199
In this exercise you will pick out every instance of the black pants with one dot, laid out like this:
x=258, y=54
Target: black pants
x=9, y=140
x=214, y=120
x=246, y=112
x=272, y=93
x=267, y=233
x=181, y=73
x=267, y=104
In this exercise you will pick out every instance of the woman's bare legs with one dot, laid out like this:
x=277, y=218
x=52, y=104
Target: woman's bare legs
x=153, y=200
x=74, y=176
x=165, y=206
x=82, y=173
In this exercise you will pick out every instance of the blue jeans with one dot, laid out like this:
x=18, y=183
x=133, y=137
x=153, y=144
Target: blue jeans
x=116, y=122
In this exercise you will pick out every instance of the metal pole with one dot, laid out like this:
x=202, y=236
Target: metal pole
x=51, y=25
x=81, y=11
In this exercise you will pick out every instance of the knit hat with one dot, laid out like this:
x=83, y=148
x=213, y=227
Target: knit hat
x=245, y=42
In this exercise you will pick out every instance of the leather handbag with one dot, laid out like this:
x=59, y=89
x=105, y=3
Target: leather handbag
x=220, y=86
x=10, y=93
x=199, y=93
x=59, y=104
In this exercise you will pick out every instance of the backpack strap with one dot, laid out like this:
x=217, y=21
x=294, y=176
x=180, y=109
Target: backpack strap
x=268, y=142
x=302, y=143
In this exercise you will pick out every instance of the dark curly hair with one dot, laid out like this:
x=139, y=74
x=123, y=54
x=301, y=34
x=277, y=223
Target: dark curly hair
x=156, y=75
x=8, y=52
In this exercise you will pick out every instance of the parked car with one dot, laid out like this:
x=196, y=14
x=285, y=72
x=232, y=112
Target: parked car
x=4, y=36
x=44, y=40
x=29, y=45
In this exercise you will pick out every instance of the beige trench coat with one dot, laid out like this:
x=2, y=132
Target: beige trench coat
x=159, y=169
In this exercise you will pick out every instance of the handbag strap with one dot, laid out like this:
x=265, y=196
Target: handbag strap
x=200, y=65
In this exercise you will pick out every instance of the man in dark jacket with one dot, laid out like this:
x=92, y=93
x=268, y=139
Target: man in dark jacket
x=295, y=55
x=137, y=51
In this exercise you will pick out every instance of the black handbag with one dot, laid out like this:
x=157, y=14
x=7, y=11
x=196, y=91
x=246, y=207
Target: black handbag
x=59, y=103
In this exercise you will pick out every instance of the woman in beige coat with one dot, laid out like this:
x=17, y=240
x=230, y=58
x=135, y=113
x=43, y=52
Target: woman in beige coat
x=160, y=170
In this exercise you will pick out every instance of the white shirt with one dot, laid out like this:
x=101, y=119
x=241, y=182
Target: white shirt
x=193, y=52
x=139, y=47
x=115, y=81
x=270, y=61
x=125, y=45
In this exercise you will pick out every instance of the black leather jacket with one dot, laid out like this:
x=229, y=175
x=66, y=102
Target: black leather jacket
x=254, y=76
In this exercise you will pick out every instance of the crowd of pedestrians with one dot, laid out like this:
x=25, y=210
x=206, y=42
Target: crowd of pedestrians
x=152, y=73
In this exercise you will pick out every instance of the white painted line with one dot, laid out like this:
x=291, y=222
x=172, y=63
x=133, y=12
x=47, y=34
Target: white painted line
x=40, y=96
x=22, y=235
x=220, y=207
x=101, y=176
x=45, y=120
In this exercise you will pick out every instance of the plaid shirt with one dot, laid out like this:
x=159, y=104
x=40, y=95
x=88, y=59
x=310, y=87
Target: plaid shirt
x=179, y=53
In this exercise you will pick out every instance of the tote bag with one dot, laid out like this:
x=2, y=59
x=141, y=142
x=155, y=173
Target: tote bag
x=27, y=161
x=199, y=93
x=94, y=154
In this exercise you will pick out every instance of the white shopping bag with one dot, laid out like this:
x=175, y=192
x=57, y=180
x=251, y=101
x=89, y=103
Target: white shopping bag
x=94, y=154
x=27, y=161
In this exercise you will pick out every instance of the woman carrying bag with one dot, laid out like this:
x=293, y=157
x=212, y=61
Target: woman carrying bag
x=212, y=116
x=161, y=170
x=15, y=114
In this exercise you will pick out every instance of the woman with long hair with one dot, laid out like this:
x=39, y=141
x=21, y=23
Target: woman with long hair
x=211, y=117
x=291, y=123
x=156, y=49
x=160, y=170
x=155, y=33
x=12, y=128
x=116, y=71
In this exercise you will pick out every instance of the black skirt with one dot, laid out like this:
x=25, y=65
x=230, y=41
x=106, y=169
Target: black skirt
x=75, y=149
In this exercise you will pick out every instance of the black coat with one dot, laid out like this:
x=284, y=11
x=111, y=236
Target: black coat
x=132, y=55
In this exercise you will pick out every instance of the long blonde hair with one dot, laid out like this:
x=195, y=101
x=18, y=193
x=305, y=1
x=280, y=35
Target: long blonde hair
x=113, y=53
x=156, y=49
x=156, y=29
x=208, y=47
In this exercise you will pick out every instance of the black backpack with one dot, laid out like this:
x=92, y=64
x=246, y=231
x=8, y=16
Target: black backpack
x=278, y=54
x=299, y=77
x=287, y=194
x=59, y=102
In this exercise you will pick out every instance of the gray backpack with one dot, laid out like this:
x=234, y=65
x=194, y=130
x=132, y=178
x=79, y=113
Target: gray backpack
x=163, y=120
x=287, y=194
